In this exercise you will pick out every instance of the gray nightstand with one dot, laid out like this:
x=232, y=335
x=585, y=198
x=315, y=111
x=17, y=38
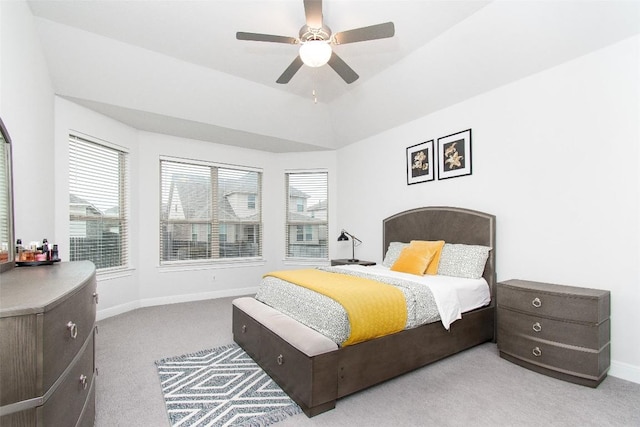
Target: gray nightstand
x=560, y=331
x=349, y=262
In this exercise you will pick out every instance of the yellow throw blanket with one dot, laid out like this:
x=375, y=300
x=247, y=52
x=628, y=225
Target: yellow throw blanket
x=374, y=309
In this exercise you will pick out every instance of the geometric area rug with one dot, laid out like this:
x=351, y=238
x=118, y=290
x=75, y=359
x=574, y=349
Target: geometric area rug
x=221, y=387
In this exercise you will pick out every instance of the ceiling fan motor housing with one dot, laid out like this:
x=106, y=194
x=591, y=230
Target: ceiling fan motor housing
x=308, y=33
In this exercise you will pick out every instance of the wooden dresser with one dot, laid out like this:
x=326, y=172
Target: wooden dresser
x=560, y=331
x=47, y=319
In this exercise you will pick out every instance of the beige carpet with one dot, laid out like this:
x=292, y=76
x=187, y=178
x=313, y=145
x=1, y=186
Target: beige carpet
x=473, y=388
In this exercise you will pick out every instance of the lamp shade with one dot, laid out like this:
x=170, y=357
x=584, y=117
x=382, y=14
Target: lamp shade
x=315, y=53
x=342, y=237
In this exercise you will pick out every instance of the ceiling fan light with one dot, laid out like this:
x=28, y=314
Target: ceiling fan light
x=315, y=53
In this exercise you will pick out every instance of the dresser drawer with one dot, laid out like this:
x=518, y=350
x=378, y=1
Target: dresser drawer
x=573, y=361
x=577, y=334
x=88, y=416
x=65, y=405
x=558, y=305
x=66, y=327
x=18, y=359
x=67, y=402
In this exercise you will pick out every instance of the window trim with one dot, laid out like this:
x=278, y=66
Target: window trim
x=203, y=263
x=288, y=238
x=125, y=198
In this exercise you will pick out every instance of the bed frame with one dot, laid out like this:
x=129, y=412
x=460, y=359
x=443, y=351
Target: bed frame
x=316, y=381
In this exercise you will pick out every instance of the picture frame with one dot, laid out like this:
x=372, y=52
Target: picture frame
x=420, y=166
x=454, y=155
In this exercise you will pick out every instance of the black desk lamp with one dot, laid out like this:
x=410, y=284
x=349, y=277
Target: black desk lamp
x=343, y=237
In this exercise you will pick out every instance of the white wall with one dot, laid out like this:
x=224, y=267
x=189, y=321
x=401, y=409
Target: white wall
x=168, y=284
x=147, y=283
x=555, y=158
x=26, y=107
x=182, y=283
x=116, y=290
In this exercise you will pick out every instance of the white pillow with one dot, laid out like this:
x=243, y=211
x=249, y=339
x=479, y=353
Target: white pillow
x=460, y=260
x=393, y=252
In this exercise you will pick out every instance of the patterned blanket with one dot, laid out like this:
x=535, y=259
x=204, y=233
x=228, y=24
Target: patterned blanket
x=374, y=309
x=330, y=318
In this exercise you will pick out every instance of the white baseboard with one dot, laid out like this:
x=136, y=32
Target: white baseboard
x=118, y=309
x=625, y=371
x=150, y=302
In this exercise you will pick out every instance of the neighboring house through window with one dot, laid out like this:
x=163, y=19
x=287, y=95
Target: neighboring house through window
x=209, y=211
x=98, y=193
x=307, y=214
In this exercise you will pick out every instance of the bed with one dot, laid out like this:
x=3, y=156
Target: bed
x=315, y=372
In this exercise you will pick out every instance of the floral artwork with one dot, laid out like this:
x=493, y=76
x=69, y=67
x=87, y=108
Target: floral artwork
x=420, y=166
x=454, y=155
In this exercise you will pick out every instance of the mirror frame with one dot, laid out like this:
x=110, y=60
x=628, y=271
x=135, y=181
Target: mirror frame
x=10, y=263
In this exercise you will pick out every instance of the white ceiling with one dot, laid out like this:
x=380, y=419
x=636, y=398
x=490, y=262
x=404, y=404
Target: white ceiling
x=175, y=67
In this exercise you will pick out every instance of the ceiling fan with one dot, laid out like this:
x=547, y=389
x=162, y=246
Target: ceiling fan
x=315, y=40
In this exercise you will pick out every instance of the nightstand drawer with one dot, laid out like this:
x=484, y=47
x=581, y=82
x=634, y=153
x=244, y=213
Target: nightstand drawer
x=557, y=305
x=589, y=336
x=574, y=361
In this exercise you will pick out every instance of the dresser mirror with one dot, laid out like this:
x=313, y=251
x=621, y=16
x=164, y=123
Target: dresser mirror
x=7, y=243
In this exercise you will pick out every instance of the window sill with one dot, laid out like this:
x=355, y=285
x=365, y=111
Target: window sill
x=208, y=265
x=310, y=261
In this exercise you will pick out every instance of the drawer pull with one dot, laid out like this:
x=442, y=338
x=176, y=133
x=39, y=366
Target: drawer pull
x=537, y=327
x=536, y=302
x=537, y=352
x=280, y=359
x=95, y=297
x=73, y=329
x=244, y=329
x=83, y=381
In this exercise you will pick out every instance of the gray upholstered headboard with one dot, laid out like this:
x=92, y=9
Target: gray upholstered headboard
x=453, y=225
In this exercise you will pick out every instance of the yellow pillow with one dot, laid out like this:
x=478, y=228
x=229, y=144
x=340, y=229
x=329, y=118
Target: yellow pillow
x=429, y=246
x=413, y=261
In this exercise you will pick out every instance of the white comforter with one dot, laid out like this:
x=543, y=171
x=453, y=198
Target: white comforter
x=453, y=295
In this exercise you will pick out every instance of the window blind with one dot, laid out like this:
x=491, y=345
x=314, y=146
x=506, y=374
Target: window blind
x=98, y=193
x=209, y=212
x=307, y=215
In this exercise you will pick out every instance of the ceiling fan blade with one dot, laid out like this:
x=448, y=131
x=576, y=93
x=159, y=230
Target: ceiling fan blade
x=265, y=38
x=343, y=70
x=373, y=32
x=313, y=13
x=290, y=71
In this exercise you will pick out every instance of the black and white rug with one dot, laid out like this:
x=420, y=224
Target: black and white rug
x=221, y=387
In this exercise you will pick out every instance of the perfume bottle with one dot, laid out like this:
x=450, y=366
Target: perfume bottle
x=20, y=255
x=45, y=249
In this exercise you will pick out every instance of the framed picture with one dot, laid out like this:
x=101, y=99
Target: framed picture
x=420, y=167
x=454, y=155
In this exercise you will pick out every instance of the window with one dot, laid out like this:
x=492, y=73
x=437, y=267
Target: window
x=307, y=214
x=209, y=211
x=98, y=221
